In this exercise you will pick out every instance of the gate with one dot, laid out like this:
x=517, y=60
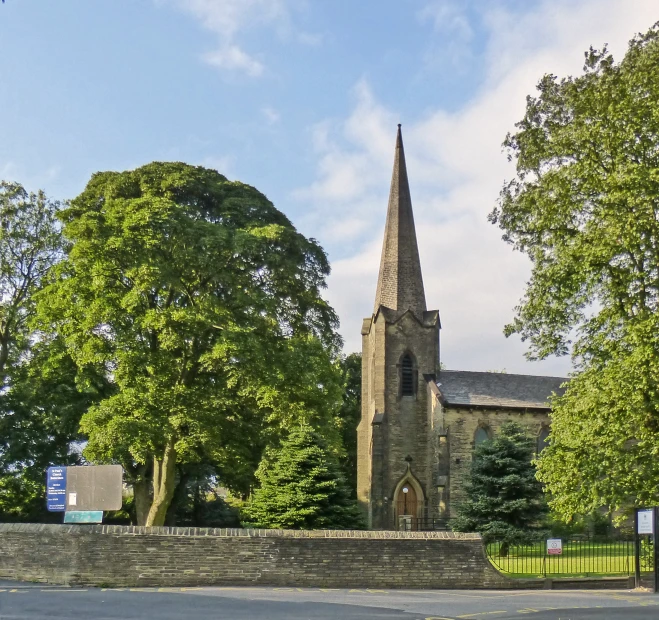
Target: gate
x=646, y=526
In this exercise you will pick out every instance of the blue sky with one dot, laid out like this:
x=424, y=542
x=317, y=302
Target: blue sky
x=300, y=98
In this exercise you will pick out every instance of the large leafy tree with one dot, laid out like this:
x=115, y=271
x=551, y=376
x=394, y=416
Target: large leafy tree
x=40, y=405
x=584, y=207
x=504, y=501
x=30, y=244
x=39, y=425
x=201, y=303
x=302, y=487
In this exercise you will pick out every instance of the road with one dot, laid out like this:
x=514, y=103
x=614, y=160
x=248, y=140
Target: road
x=38, y=602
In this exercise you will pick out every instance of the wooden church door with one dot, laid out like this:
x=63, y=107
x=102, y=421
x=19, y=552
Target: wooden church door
x=406, y=504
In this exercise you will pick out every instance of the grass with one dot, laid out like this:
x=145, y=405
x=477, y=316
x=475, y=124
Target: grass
x=579, y=559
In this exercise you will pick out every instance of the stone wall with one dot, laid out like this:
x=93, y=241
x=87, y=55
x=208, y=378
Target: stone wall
x=462, y=423
x=106, y=555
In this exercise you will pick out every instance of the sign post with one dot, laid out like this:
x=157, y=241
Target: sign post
x=646, y=525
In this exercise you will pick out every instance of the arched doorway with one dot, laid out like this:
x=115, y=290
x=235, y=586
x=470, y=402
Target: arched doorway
x=408, y=503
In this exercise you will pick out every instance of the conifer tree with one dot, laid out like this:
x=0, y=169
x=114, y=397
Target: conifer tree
x=302, y=487
x=504, y=501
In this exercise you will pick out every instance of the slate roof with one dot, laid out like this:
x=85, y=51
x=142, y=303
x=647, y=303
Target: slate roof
x=491, y=389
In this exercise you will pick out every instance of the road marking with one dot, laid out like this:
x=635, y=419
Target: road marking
x=482, y=613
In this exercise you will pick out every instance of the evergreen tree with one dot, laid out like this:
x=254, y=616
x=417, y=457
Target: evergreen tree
x=504, y=501
x=302, y=487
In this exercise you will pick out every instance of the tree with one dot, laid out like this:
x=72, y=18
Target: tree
x=30, y=244
x=504, y=501
x=200, y=301
x=302, y=487
x=40, y=406
x=584, y=207
x=350, y=414
x=39, y=423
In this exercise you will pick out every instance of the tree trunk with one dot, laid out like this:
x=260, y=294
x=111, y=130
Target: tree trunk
x=142, y=500
x=180, y=497
x=164, y=485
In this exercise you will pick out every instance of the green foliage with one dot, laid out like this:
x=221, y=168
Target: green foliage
x=350, y=414
x=604, y=445
x=302, y=487
x=197, y=501
x=201, y=302
x=584, y=208
x=29, y=245
x=40, y=405
x=504, y=500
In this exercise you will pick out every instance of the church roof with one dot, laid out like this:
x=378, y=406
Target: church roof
x=400, y=284
x=493, y=389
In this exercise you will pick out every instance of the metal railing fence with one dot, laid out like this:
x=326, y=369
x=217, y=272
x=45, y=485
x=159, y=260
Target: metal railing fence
x=582, y=556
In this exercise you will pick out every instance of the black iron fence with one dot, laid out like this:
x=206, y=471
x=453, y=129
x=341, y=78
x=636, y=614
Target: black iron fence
x=582, y=556
x=422, y=524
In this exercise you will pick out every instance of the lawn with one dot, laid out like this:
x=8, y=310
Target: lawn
x=580, y=558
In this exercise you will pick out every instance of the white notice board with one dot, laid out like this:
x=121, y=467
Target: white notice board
x=554, y=546
x=645, y=522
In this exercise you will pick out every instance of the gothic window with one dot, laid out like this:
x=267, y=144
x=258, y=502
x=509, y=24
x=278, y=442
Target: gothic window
x=407, y=376
x=543, y=439
x=481, y=435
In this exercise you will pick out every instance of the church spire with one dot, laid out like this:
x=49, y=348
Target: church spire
x=400, y=285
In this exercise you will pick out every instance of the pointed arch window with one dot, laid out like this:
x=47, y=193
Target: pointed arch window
x=481, y=435
x=543, y=439
x=407, y=376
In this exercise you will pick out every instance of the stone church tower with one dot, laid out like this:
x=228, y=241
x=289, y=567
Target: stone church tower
x=400, y=355
x=420, y=424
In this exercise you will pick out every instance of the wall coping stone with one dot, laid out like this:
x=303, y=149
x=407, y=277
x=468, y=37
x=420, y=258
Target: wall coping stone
x=138, y=530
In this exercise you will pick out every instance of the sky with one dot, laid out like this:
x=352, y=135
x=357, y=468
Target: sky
x=301, y=98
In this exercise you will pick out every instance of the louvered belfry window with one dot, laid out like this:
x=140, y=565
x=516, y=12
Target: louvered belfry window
x=407, y=376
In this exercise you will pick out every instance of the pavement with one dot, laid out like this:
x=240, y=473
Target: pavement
x=20, y=601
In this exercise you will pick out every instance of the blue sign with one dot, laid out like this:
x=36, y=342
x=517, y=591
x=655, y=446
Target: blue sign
x=56, y=489
x=83, y=516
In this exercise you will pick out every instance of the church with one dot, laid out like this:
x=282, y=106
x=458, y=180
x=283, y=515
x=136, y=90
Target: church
x=419, y=423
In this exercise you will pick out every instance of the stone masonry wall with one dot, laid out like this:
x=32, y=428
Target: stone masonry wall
x=462, y=424
x=105, y=555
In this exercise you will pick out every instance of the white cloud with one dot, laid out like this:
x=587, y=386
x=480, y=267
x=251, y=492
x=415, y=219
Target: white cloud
x=232, y=57
x=456, y=170
x=271, y=115
x=227, y=19
x=448, y=16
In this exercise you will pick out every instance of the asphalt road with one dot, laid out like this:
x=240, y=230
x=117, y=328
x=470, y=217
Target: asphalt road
x=38, y=602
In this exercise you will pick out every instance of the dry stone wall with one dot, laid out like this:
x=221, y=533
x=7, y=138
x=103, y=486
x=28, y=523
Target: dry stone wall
x=116, y=556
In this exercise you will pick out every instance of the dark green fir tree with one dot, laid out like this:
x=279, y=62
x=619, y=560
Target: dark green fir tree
x=302, y=486
x=504, y=501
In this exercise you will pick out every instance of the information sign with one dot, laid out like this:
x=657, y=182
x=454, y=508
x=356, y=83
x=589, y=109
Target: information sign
x=645, y=522
x=83, y=516
x=56, y=489
x=554, y=546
